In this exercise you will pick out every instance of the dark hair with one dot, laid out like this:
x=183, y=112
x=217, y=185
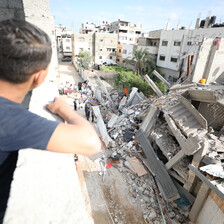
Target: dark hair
x=24, y=50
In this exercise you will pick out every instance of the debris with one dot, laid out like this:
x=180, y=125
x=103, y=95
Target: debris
x=153, y=85
x=112, y=120
x=161, y=78
x=158, y=169
x=101, y=126
x=131, y=96
x=129, y=134
x=137, y=166
x=129, y=166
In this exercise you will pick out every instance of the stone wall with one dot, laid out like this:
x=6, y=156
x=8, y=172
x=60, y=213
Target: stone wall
x=11, y=9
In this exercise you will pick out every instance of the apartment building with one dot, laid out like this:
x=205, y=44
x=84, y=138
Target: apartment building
x=92, y=28
x=105, y=47
x=102, y=46
x=82, y=42
x=64, y=40
x=128, y=33
x=150, y=41
x=176, y=45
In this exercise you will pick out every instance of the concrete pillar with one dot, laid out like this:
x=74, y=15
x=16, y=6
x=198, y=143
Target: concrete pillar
x=153, y=85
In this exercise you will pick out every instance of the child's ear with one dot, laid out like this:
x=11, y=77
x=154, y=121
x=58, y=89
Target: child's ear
x=39, y=77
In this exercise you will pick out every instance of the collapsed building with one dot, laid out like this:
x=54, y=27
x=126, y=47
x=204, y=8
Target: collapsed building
x=179, y=137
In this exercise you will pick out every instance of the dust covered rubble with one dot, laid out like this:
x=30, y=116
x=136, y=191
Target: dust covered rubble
x=124, y=145
x=129, y=118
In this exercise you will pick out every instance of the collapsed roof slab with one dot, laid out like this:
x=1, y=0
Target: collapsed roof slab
x=187, y=118
x=189, y=146
x=158, y=169
x=206, y=93
x=101, y=126
x=150, y=119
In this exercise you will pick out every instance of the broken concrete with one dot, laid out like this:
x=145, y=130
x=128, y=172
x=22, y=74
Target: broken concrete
x=101, y=126
x=153, y=85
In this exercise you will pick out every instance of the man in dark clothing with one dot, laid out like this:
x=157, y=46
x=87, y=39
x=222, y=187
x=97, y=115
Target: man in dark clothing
x=79, y=86
x=25, y=54
x=75, y=105
x=87, y=110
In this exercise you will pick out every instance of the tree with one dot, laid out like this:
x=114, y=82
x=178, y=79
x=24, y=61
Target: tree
x=85, y=59
x=141, y=60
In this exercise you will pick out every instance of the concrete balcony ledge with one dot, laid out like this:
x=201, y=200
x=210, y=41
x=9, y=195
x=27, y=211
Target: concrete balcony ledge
x=45, y=186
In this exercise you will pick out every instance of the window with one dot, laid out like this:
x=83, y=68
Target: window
x=67, y=40
x=189, y=43
x=113, y=49
x=111, y=57
x=118, y=60
x=100, y=57
x=164, y=43
x=119, y=50
x=173, y=59
x=81, y=39
x=67, y=48
x=154, y=44
x=101, y=49
x=131, y=39
x=124, y=51
x=162, y=58
x=176, y=43
x=80, y=49
x=111, y=41
x=101, y=40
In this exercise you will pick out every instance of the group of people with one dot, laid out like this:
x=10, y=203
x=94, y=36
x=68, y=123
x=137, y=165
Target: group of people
x=88, y=109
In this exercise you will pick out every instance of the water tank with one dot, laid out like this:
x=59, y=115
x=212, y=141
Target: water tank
x=212, y=20
x=183, y=28
x=202, y=23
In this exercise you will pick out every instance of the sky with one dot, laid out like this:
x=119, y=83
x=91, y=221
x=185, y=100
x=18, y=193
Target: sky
x=153, y=15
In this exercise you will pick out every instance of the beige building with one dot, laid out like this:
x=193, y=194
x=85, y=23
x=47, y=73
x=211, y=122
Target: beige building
x=82, y=42
x=150, y=42
x=128, y=33
x=105, y=46
x=102, y=46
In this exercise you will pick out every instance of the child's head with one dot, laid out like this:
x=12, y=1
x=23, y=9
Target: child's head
x=24, y=50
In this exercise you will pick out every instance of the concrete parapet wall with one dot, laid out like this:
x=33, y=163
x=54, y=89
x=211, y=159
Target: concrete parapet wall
x=45, y=187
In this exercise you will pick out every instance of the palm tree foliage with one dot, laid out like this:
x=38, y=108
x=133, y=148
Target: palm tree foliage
x=142, y=61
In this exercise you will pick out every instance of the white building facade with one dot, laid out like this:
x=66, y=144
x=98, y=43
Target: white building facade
x=64, y=40
x=176, y=45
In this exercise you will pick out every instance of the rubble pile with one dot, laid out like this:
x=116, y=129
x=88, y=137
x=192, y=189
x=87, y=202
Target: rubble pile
x=183, y=128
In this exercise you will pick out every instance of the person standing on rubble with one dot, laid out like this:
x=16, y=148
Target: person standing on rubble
x=87, y=110
x=25, y=54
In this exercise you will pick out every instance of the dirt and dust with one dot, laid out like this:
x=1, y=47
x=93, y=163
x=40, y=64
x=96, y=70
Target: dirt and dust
x=107, y=201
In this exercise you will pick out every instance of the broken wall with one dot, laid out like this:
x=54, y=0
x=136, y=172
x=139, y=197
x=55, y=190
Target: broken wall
x=210, y=61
